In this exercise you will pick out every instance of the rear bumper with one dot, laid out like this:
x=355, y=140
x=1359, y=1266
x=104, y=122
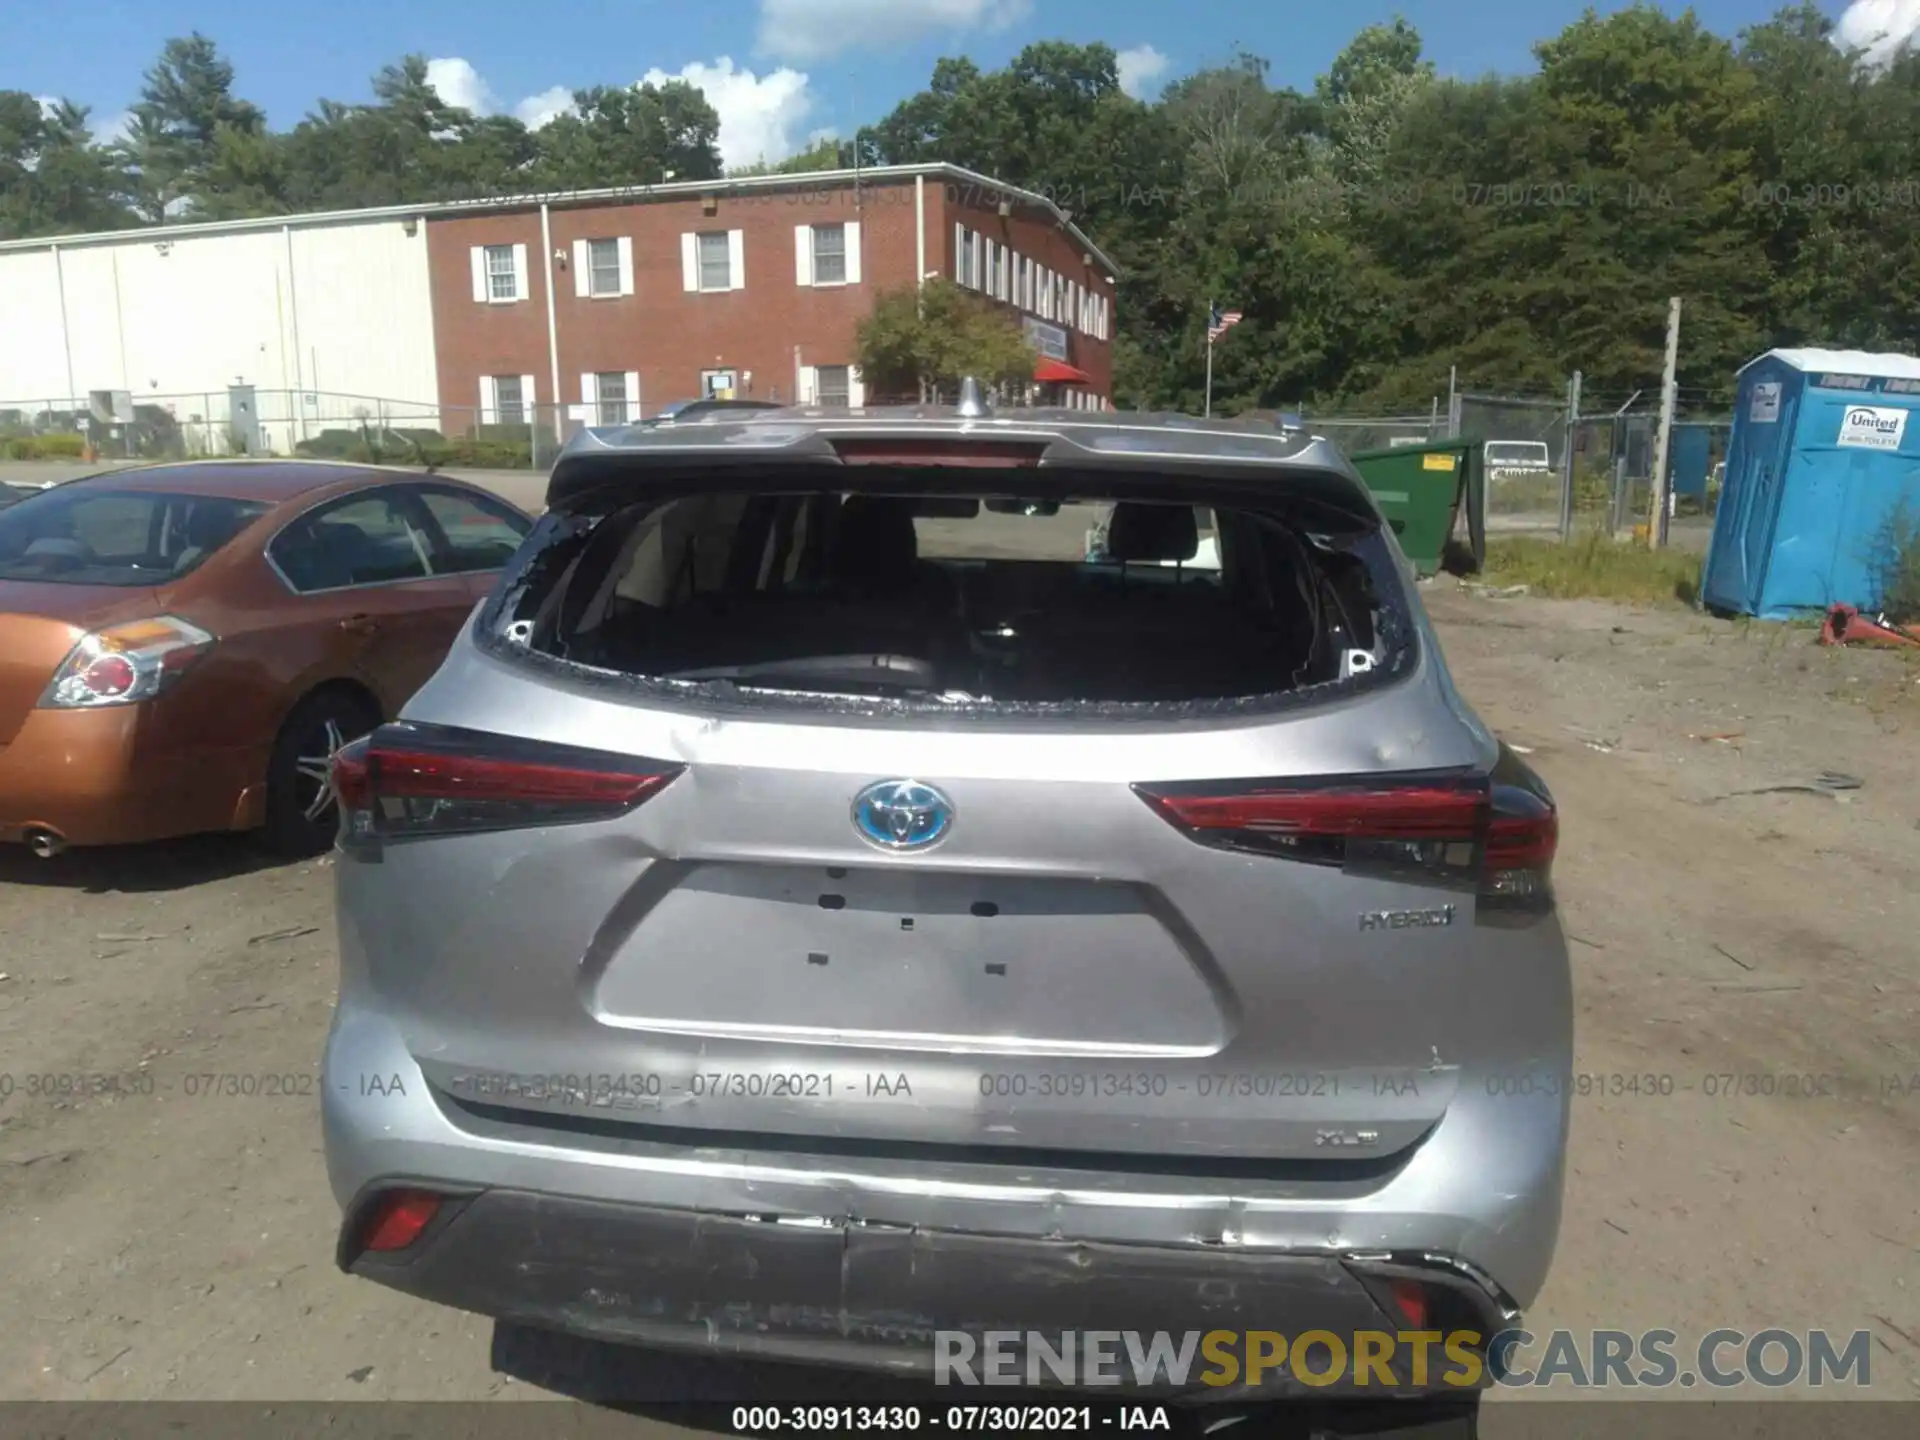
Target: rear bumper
x=875, y=1297
x=854, y=1260
x=114, y=776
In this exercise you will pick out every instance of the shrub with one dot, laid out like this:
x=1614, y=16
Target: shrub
x=1900, y=567
x=491, y=454
x=328, y=445
x=46, y=447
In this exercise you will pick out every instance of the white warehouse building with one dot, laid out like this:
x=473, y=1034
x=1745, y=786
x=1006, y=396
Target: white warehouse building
x=288, y=322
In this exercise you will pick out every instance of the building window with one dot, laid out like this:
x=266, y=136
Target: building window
x=717, y=384
x=603, y=267
x=716, y=261
x=509, y=400
x=503, y=280
x=832, y=385
x=829, y=254
x=612, y=396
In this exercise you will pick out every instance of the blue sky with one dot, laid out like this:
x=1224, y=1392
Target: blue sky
x=779, y=71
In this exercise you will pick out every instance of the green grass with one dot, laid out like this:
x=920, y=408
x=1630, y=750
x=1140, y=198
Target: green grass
x=1592, y=566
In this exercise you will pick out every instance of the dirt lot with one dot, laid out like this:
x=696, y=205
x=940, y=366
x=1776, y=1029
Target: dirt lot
x=178, y=1244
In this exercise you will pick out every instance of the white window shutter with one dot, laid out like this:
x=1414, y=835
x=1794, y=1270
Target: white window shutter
x=809, y=384
x=853, y=252
x=522, y=288
x=737, y=259
x=590, y=390
x=478, y=257
x=625, y=246
x=529, y=404
x=689, y=261
x=959, y=252
x=489, y=411
x=582, y=270
x=633, y=395
x=803, y=255
x=856, y=388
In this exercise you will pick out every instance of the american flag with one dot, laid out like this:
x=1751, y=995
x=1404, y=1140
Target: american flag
x=1222, y=321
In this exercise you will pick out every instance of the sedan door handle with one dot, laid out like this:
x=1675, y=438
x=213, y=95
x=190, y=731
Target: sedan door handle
x=360, y=624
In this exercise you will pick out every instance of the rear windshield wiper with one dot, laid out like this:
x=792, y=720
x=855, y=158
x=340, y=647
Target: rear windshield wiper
x=892, y=672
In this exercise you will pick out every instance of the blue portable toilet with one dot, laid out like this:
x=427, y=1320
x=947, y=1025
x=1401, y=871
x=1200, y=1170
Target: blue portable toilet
x=1824, y=452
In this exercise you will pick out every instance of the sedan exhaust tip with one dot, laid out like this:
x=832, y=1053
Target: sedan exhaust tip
x=45, y=844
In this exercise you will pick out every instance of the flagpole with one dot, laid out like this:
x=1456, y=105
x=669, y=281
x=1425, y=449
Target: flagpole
x=1208, y=415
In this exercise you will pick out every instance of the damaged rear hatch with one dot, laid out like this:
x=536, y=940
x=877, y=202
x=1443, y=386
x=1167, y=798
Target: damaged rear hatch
x=813, y=788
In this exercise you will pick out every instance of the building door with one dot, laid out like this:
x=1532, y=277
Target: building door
x=243, y=420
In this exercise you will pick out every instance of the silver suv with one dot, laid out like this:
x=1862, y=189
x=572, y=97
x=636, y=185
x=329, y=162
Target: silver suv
x=815, y=906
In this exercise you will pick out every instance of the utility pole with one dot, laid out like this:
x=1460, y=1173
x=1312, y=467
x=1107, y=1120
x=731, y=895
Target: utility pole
x=1453, y=402
x=1566, y=456
x=1208, y=412
x=1657, y=522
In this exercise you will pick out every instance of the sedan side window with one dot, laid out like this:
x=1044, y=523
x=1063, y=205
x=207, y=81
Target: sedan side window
x=362, y=540
x=480, y=536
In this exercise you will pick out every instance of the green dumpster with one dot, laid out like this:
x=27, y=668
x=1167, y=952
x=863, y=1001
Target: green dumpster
x=1424, y=490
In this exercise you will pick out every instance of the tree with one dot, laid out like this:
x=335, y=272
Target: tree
x=53, y=179
x=919, y=342
x=631, y=135
x=185, y=104
x=829, y=152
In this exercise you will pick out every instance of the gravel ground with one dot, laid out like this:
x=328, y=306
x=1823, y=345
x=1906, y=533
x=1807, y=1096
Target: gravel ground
x=178, y=1244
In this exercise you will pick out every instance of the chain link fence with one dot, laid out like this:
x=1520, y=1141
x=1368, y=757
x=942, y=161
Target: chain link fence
x=1543, y=465
x=245, y=421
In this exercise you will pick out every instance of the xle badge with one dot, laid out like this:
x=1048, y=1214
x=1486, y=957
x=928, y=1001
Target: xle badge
x=1405, y=919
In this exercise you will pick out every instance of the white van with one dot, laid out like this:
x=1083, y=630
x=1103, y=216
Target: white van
x=1506, y=459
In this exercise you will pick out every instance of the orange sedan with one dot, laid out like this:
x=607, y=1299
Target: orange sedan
x=183, y=647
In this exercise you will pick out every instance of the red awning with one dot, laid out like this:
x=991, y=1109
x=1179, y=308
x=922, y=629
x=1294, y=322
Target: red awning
x=1055, y=372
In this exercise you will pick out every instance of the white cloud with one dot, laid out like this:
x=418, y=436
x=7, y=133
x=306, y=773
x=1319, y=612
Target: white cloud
x=1879, y=29
x=1139, y=68
x=457, y=83
x=759, y=114
x=806, y=30
x=547, y=106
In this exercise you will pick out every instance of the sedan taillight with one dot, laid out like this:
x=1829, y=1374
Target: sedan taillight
x=410, y=780
x=124, y=664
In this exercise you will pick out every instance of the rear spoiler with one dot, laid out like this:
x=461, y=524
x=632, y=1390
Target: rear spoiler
x=600, y=469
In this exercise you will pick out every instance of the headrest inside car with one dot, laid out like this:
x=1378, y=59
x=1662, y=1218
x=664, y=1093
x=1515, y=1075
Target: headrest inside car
x=1141, y=532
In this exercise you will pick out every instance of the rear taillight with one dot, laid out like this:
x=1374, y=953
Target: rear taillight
x=1494, y=834
x=125, y=663
x=409, y=780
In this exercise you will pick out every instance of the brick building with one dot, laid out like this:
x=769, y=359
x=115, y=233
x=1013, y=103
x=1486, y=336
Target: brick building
x=621, y=305
x=588, y=307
